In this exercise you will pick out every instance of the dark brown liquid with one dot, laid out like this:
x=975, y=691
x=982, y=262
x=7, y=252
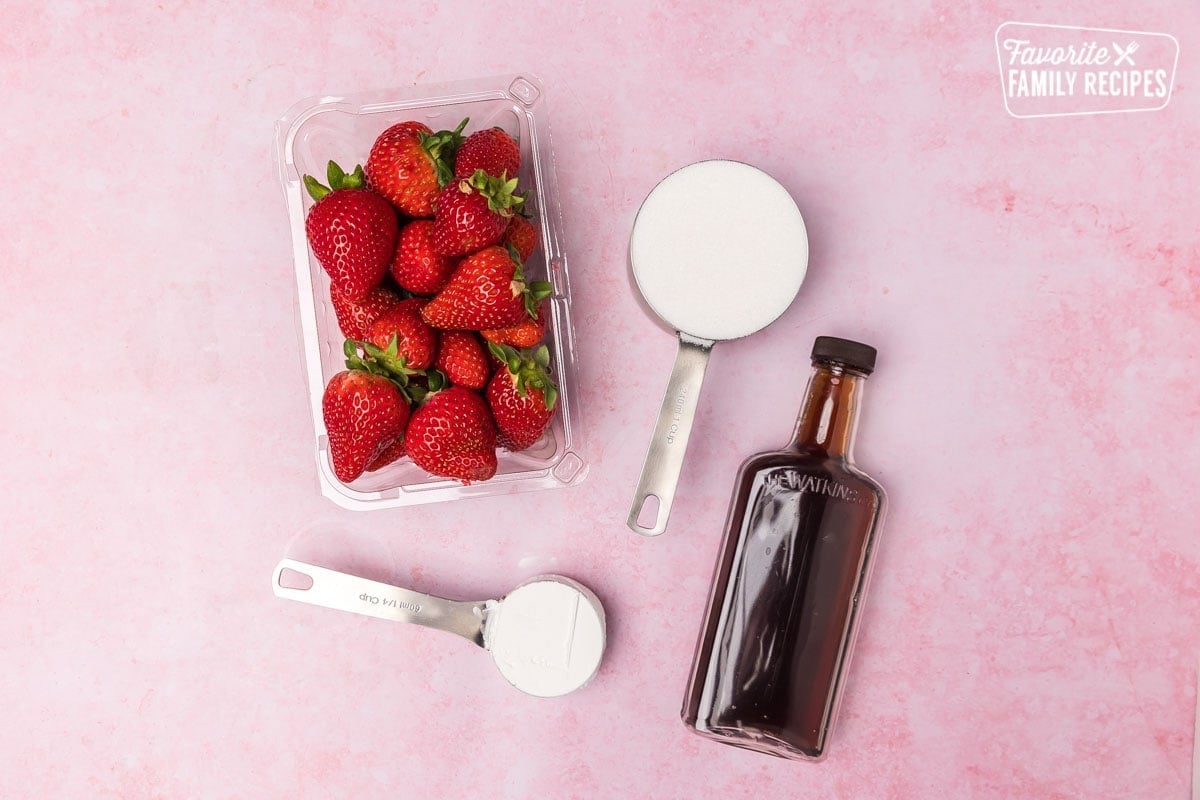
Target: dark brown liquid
x=781, y=614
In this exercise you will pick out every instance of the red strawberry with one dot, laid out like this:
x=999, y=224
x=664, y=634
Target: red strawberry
x=364, y=415
x=355, y=317
x=521, y=396
x=416, y=342
x=352, y=232
x=473, y=213
x=522, y=236
x=488, y=290
x=526, y=333
x=461, y=358
x=388, y=457
x=417, y=267
x=492, y=151
x=409, y=163
x=453, y=435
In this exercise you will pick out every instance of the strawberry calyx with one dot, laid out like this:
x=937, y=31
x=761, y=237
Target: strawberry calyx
x=528, y=369
x=499, y=192
x=441, y=148
x=385, y=362
x=435, y=381
x=534, y=291
x=338, y=179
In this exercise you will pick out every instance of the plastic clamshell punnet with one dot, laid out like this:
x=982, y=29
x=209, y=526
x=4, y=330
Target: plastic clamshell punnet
x=342, y=129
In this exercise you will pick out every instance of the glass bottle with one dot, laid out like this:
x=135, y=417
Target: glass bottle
x=777, y=637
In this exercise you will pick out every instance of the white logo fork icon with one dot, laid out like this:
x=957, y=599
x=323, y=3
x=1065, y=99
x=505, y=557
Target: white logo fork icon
x=1126, y=54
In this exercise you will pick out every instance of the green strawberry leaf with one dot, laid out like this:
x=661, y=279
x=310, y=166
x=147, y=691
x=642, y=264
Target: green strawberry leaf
x=377, y=361
x=315, y=189
x=442, y=148
x=445, y=172
x=353, y=360
x=384, y=362
x=528, y=368
x=478, y=180
x=497, y=191
x=372, y=350
x=335, y=175
x=534, y=294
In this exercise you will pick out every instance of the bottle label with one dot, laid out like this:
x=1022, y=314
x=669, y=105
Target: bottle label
x=786, y=480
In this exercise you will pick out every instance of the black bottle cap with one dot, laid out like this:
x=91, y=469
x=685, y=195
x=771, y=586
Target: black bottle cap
x=854, y=355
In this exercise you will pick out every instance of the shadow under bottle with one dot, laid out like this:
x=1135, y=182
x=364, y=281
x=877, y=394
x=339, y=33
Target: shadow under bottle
x=779, y=630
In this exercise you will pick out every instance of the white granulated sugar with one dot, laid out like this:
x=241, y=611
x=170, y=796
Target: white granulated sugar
x=719, y=249
x=546, y=636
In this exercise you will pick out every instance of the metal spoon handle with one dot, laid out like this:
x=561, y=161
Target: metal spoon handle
x=664, y=459
x=343, y=592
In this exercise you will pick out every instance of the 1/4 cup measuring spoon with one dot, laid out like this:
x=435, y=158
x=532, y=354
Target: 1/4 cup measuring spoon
x=546, y=636
x=719, y=250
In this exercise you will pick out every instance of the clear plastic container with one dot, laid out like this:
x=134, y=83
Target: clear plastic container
x=316, y=130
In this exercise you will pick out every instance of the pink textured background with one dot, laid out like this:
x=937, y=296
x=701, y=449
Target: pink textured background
x=1033, y=287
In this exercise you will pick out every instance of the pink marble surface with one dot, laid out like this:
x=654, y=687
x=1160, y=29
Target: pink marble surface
x=1033, y=287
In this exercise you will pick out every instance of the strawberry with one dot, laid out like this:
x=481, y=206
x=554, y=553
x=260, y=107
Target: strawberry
x=492, y=151
x=461, y=358
x=417, y=267
x=367, y=408
x=521, y=396
x=352, y=231
x=453, y=435
x=355, y=317
x=473, y=213
x=409, y=163
x=522, y=235
x=388, y=457
x=488, y=290
x=364, y=415
x=526, y=333
x=416, y=342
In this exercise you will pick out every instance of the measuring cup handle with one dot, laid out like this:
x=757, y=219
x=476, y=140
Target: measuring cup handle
x=664, y=459
x=337, y=590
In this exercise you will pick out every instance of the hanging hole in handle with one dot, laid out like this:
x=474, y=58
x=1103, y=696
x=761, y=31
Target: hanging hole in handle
x=647, y=517
x=291, y=579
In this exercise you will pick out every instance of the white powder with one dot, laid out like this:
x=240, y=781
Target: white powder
x=546, y=636
x=719, y=249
